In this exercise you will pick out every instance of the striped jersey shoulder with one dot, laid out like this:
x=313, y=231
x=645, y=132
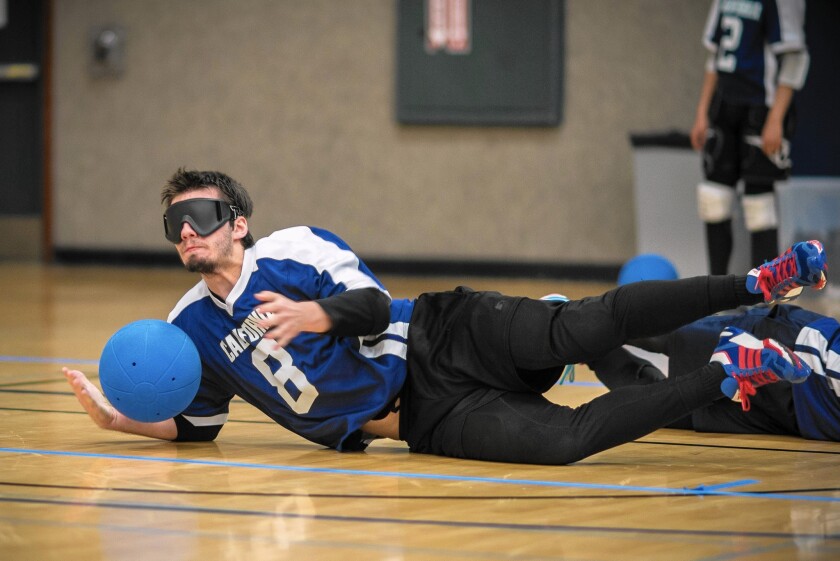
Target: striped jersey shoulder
x=195, y=294
x=320, y=249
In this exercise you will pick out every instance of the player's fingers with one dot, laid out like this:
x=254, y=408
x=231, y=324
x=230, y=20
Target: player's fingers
x=282, y=335
x=272, y=308
x=268, y=296
x=279, y=336
x=695, y=140
x=272, y=322
x=73, y=379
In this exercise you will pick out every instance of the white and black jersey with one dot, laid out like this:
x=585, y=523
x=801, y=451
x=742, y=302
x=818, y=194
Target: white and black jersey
x=747, y=37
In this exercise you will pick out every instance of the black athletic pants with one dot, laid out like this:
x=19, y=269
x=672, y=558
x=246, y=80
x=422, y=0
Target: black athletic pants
x=728, y=157
x=479, y=362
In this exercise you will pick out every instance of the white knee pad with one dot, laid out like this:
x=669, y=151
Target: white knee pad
x=760, y=212
x=714, y=201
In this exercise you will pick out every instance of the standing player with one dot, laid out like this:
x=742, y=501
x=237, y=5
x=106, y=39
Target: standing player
x=296, y=325
x=744, y=121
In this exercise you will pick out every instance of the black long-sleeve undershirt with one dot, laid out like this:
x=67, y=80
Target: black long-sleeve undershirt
x=364, y=311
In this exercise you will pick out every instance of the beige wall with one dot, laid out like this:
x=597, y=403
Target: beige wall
x=295, y=98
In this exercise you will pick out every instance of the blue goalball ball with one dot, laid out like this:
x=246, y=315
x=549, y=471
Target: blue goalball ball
x=648, y=266
x=150, y=370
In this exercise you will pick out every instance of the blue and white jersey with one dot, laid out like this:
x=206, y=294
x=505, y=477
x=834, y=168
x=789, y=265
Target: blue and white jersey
x=321, y=387
x=746, y=37
x=813, y=337
x=817, y=400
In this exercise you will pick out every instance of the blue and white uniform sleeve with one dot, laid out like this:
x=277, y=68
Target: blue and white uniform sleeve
x=787, y=30
x=203, y=419
x=710, y=39
x=327, y=271
x=818, y=345
x=789, y=43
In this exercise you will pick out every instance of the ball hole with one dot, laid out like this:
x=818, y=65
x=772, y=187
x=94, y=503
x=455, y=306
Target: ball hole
x=173, y=378
x=133, y=364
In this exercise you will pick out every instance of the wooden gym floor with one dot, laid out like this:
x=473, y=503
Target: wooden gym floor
x=69, y=491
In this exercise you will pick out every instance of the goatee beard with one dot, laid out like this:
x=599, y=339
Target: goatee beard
x=208, y=265
x=201, y=266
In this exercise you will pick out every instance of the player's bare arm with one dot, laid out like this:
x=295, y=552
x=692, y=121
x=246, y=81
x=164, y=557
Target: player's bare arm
x=701, y=119
x=771, y=134
x=105, y=416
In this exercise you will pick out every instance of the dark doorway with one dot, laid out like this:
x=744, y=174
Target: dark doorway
x=21, y=114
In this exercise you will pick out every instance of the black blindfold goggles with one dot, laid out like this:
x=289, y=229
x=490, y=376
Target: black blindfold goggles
x=204, y=216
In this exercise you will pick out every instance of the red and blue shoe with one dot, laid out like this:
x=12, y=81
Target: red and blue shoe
x=751, y=363
x=783, y=278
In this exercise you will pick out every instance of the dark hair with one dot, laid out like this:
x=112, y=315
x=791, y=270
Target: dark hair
x=184, y=181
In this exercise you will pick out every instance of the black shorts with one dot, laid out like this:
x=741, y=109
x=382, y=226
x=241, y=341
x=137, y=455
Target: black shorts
x=458, y=356
x=479, y=362
x=730, y=153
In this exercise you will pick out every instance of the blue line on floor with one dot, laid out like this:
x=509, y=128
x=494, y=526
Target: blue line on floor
x=725, y=485
x=704, y=491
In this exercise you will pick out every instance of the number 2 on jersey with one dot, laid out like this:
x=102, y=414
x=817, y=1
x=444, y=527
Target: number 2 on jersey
x=732, y=28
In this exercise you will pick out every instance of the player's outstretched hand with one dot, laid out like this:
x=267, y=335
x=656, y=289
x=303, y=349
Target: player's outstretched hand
x=107, y=417
x=92, y=400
